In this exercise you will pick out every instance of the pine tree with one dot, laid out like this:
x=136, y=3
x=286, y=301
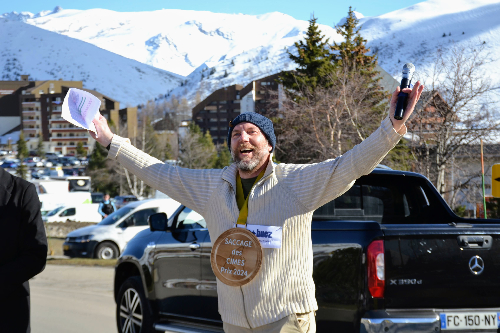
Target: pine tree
x=351, y=55
x=314, y=62
x=102, y=177
x=352, y=52
x=97, y=158
x=22, y=153
x=39, y=149
x=169, y=155
x=80, y=150
x=223, y=157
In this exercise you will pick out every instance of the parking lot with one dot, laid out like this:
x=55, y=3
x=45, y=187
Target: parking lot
x=73, y=299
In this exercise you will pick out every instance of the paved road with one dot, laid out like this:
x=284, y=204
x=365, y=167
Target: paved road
x=73, y=299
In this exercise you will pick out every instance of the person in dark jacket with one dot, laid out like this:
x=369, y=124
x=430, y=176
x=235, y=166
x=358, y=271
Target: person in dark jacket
x=106, y=207
x=23, y=250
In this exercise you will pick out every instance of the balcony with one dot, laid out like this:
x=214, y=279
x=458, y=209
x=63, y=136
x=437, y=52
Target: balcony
x=68, y=130
x=30, y=104
x=57, y=121
x=27, y=122
x=69, y=138
x=30, y=113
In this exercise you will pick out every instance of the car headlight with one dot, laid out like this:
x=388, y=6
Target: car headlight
x=84, y=239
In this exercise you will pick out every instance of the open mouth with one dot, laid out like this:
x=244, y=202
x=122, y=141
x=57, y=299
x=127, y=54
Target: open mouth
x=246, y=151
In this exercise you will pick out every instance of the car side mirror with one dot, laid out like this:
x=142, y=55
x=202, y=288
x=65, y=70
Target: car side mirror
x=158, y=222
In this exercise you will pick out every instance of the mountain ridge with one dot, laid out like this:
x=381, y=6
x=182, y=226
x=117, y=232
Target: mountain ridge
x=213, y=50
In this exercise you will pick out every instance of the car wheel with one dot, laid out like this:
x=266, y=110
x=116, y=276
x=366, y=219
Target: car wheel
x=133, y=314
x=107, y=250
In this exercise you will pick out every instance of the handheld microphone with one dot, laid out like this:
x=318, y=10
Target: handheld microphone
x=408, y=70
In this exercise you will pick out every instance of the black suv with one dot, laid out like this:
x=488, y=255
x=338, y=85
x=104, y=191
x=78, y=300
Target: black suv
x=389, y=256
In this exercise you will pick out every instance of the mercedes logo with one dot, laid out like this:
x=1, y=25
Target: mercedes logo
x=476, y=265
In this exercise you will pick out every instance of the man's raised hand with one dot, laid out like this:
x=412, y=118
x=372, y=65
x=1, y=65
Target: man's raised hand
x=104, y=134
x=413, y=97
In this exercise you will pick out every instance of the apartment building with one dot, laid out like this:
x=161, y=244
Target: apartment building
x=263, y=96
x=214, y=112
x=35, y=107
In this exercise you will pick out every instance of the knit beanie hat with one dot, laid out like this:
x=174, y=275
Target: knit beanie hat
x=265, y=125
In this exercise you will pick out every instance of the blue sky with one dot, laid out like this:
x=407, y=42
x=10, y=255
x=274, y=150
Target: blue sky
x=328, y=12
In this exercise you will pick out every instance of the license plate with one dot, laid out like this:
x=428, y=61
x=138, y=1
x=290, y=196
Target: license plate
x=469, y=320
x=66, y=247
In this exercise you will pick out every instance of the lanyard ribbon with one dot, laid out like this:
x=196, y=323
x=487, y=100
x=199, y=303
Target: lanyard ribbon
x=242, y=201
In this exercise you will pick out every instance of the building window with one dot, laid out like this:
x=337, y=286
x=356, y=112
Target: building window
x=236, y=110
x=71, y=143
x=71, y=134
x=59, y=135
x=237, y=102
x=59, y=143
x=213, y=120
x=212, y=111
x=222, y=102
x=214, y=128
x=223, y=111
x=215, y=137
x=223, y=119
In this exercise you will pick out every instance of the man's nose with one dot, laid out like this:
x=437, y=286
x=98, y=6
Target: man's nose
x=244, y=136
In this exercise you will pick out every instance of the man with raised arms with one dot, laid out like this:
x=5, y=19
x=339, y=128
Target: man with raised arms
x=281, y=297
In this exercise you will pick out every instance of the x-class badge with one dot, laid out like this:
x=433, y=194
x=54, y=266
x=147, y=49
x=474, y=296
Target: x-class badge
x=476, y=265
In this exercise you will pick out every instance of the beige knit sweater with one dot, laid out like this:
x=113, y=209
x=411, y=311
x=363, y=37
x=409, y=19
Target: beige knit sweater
x=286, y=196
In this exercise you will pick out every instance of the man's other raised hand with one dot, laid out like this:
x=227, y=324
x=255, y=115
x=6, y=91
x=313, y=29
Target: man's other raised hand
x=413, y=97
x=104, y=134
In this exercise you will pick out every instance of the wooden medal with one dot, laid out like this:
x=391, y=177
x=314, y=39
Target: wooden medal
x=236, y=257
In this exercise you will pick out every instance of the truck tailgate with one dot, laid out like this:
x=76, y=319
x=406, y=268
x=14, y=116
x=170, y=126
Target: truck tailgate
x=442, y=266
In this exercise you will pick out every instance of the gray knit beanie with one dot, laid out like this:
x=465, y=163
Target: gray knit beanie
x=265, y=125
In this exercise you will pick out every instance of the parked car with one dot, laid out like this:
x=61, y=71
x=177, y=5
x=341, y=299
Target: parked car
x=123, y=200
x=70, y=172
x=107, y=239
x=39, y=174
x=97, y=197
x=55, y=162
x=3, y=152
x=52, y=155
x=76, y=213
x=33, y=162
x=389, y=255
x=10, y=164
x=69, y=161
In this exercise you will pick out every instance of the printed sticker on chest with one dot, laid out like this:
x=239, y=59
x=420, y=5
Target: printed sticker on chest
x=270, y=237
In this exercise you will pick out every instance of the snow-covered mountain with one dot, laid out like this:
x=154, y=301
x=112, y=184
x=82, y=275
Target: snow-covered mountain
x=216, y=50
x=418, y=32
x=45, y=55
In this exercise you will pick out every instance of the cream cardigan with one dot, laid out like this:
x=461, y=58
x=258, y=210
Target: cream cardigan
x=286, y=196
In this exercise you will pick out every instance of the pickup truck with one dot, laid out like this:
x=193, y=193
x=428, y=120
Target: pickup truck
x=389, y=256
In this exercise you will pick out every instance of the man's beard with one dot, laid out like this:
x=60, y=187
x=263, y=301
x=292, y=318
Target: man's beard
x=248, y=165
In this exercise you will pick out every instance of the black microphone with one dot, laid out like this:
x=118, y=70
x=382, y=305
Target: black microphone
x=408, y=70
